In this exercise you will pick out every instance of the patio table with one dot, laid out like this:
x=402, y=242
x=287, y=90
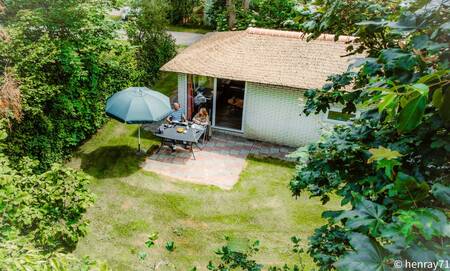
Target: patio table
x=170, y=135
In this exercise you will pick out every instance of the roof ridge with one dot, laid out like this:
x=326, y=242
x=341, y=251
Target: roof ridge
x=295, y=34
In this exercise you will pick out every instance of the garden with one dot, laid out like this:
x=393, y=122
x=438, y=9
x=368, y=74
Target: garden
x=369, y=195
x=132, y=204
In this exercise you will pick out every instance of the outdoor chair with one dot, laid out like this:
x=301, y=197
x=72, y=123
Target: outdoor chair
x=206, y=133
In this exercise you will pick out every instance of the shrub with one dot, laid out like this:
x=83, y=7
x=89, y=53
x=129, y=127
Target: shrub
x=18, y=254
x=146, y=30
x=262, y=13
x=67, y=61
x=49, y=206
x=390, y=166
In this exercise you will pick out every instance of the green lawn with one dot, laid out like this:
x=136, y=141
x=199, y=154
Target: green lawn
x=132, y=203
x=167, y=83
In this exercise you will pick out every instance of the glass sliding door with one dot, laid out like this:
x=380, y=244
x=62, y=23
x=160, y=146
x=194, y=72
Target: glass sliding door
x=199, y=94
x=229, y=104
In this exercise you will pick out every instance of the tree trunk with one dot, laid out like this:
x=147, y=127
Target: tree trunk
x=246, y=4
x=231, y=14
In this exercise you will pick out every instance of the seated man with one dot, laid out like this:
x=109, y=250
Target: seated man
x=177, y=114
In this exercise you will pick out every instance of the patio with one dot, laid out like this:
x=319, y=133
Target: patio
x=219, y=162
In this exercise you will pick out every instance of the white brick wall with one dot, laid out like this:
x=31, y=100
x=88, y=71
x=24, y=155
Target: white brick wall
x=182, y=90
x=275, y=114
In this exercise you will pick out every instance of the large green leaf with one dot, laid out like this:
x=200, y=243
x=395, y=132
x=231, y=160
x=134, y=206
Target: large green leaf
x=425, y=222
x=388, y=101
x=368, y=255
x=382, y=153
x=407, y=191
x=366, y=214
x=421, y=88
x=411, y=114
x=386, y=158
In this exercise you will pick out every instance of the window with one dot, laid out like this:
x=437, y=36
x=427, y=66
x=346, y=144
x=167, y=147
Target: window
x=335, y=115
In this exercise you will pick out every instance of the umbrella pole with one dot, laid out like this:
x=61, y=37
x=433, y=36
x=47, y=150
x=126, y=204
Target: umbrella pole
x=139, y=139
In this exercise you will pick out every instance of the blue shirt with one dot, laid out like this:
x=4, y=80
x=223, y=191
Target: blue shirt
x=177, y=115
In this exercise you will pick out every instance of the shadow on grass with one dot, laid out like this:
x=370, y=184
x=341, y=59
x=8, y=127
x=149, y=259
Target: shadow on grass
x=271, y=160
x=111, y=162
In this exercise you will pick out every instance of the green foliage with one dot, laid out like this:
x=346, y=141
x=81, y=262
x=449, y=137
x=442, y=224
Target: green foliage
x=364, y=19
x=48, y=206
x=40, y=214
x=391, y=164
x=146, y=30
x=67, y=60
x=18, y=254
x=213, y=9
x=237, y=254
x=185, y=12
x=273, y=13
x=151, y=240
x=170, y=246
x=263, y=13
x=368, y=255
x=327, y=244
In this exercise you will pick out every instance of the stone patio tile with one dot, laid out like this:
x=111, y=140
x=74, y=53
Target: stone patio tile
x=219, y=162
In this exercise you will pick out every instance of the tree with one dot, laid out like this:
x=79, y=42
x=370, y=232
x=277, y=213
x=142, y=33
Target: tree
x=182, y=11
x=59, y=61
x=212, y=10
x=391, y=164
x=67, y=61
x=246, y=4
x=146, y=30
x=231, y=10
x=239, y=15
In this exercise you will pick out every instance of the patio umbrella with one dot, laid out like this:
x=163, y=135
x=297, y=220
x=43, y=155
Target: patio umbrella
x=138, y=105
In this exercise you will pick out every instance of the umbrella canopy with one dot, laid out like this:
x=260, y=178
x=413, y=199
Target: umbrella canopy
x=138, y=105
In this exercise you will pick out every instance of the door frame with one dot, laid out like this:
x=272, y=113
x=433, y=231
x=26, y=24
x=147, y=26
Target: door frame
x=214, y=110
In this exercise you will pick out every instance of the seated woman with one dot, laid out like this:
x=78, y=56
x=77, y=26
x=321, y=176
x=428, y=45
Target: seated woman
x=202, y=117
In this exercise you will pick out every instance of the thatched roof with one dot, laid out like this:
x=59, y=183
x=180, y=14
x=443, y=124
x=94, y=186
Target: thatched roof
x=265, y=56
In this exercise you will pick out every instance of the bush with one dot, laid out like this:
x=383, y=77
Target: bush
x=391, y=164
x=67, y=61
x=213, y=9
x=48, y=207
x=273, y=13
x=263, y=13
x=18, y=254
x=146, y=30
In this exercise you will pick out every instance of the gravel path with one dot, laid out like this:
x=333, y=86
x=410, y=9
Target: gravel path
x=181, y=38
x=185, y=38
